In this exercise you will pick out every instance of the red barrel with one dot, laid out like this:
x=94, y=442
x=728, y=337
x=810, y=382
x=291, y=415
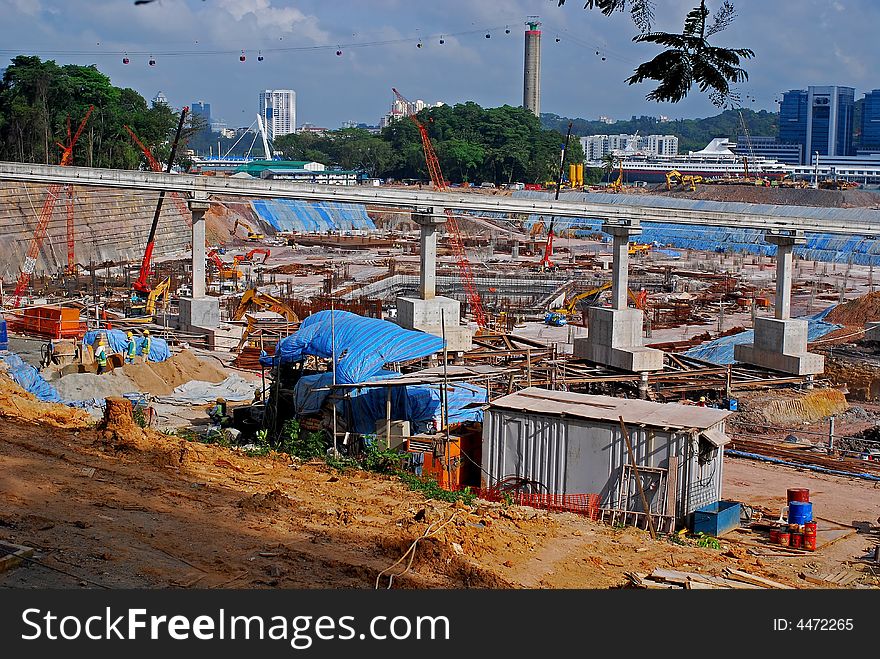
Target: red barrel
x=810, y=528
x=774, y=536
x=797, y=540
x=784, y=538
x=809, y=542
x=801, y=494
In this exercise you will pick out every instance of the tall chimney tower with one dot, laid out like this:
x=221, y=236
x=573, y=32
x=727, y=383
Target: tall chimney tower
x=532, y=68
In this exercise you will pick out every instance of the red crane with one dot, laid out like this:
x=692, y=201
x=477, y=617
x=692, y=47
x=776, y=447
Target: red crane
x=156, y=167
x=141, y=285
x=464, y=266
x=30, y=260
x=546, y=262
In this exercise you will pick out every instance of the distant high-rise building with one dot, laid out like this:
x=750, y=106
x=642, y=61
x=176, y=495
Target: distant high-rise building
x=820, y=119
x=596, y=146
x=870, y=139
x=278, y=110
x=159, y=98
x=762, y=146
x=532, y=68
x=202, y=109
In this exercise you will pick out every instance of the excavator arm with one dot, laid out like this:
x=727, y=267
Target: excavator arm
x=264, y=301
x=161, y=290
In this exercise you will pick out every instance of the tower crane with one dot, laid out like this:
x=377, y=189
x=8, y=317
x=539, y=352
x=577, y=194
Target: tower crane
x=30, y=261
x=141, y=285
x=464, y=266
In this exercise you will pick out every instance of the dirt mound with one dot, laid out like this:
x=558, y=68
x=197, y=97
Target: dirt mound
x=16, y=403
x=777, y=196
x=272, y=501
x=85, y=386
x=787, y=407
x=118, y=424
x=161, y=378
x=856, y=313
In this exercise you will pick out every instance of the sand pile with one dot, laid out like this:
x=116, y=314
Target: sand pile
x=153, y=378
x=856, y=313
x=786, y=407
x=16, y=403
x=85, y=386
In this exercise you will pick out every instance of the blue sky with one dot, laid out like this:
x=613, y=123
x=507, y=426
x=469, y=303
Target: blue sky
x=797, y=43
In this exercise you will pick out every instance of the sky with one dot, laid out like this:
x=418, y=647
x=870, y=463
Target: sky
x=197, y=44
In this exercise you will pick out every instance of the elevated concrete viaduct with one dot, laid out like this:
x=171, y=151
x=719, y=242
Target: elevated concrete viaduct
x=615, y=334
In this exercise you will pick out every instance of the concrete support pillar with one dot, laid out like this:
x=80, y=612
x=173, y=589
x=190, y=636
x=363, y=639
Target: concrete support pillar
x=431, y=313
x=429, y=221
x=615, y=337
x=620, y=263
x=514, y=251
x=198, y=207
x=781, y=343
x=785, y=246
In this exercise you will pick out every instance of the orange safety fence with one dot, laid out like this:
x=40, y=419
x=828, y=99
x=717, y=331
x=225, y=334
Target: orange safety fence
x=581, y=504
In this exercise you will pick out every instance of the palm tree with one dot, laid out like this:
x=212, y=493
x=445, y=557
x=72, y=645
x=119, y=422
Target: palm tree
x=609, y=163
x=690, y=59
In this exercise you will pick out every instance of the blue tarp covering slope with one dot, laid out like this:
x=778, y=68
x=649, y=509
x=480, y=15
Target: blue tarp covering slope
x=117, y=341
x=412, y=403
x=363, y=345
x=720, y=351
x=297, y=215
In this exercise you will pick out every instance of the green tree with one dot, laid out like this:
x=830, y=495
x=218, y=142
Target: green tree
x=689, y=58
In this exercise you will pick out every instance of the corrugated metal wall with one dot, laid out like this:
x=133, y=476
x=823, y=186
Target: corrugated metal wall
x=577, y=456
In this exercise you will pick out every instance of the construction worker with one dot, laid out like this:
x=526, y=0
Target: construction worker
x=101, y=355
x=148, y=342
x=218, y=413
x=702, y=402
x=130, y=349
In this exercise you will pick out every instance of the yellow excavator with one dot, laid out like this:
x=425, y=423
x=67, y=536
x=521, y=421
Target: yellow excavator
x=638, y=248
x=247, y=227
x=685, y=180
x=262, y=302
x=617, y=185
x=143, y=313
x=589, y=298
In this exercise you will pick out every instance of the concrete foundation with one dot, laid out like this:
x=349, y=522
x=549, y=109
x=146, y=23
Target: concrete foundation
x=781, y=345
x=200, y=316
x=615, y=340
x=427, y=316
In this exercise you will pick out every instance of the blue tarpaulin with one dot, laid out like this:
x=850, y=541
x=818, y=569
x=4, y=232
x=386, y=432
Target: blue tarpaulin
x=412, y=403
x=117, y=341
x=720, y=351
x=29, y=379
x=298, y=215
x=363, y=345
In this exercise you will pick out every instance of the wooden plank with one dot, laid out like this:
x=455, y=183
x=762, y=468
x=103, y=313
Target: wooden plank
x=740, y=575
x=672, y=486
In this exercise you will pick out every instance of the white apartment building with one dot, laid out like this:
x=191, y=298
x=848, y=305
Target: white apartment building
x=596, y=146
x=278, y=109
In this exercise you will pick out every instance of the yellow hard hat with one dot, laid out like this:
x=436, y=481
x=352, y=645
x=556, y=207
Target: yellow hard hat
x=130, y=335
x=146, y=332
x=221, y=400
x=703, y=399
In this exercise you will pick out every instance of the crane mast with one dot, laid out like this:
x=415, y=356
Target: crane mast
x=30, y=260
x=464, y=266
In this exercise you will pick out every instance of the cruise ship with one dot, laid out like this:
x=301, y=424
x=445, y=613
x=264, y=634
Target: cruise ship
x=717, y=160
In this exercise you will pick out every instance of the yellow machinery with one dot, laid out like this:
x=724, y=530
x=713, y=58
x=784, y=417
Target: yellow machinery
x=617, y=185
x=144, y=313
x=672, y=176
x=263, y=302
x=250, y=232
x=537, y=229
x=590, y=297
x=692, y=181
x=638, y=248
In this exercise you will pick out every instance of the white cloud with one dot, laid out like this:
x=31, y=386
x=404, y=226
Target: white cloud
x=286, y=20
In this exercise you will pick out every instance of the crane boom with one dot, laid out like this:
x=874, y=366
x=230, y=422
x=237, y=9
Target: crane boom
x=30, y=260
x=464, y=266
x=156, y=167
x=142, y=285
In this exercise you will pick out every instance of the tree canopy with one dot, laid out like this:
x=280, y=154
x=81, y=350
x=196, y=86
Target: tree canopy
x=37, y=98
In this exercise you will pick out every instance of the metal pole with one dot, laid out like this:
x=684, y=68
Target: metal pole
x=529, y=365
x=333, y=357
x=388, y=418
x=562, y=161
x=444, y=410
x=831, y=435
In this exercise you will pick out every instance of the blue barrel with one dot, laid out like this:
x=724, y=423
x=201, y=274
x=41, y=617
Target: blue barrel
x=800, y=512
x=4, y=337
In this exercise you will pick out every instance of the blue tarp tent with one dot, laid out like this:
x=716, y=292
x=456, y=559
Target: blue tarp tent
x=363, y=345
x=117, y=341
x=29, y=379
x=298, y=215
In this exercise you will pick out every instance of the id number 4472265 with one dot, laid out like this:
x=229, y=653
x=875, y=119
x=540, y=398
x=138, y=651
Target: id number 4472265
x=814, y=624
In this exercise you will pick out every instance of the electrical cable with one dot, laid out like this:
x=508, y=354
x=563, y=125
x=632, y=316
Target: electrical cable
x=33, y=561
x=411, y=552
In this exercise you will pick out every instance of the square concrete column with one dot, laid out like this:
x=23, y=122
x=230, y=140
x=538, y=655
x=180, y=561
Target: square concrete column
x=615, y=335
x=429, y=221
x=199, y=313
x=431, y=313
x=780, y=343
x=198, y=207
